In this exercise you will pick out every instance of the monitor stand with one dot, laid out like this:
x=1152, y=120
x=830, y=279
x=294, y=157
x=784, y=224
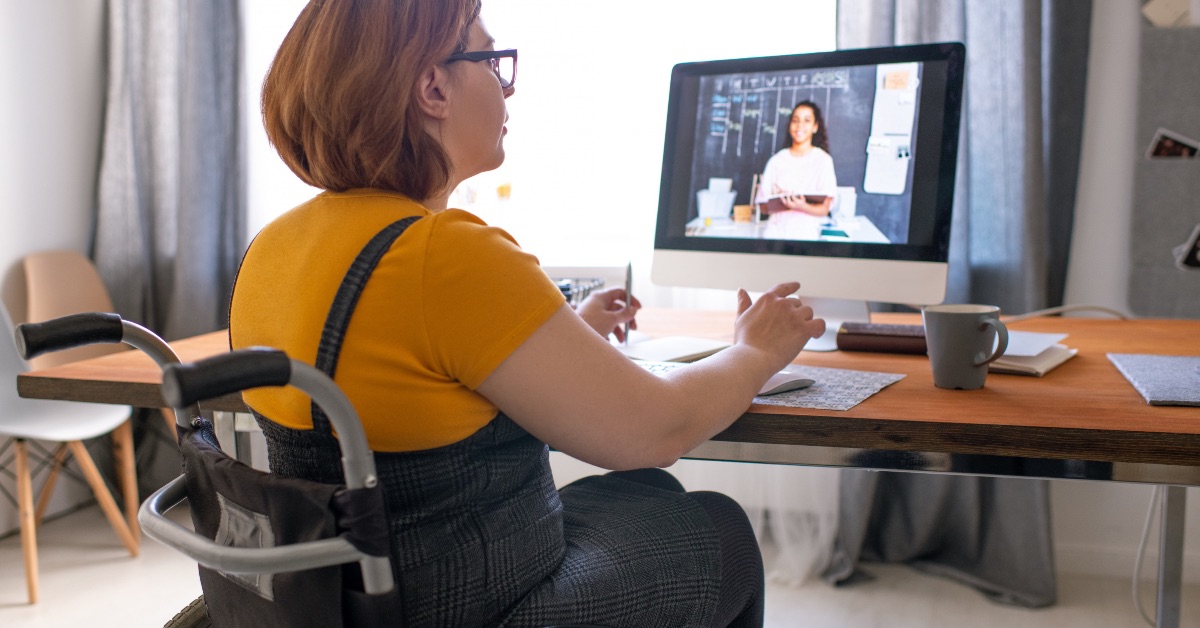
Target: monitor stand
x=835, y=312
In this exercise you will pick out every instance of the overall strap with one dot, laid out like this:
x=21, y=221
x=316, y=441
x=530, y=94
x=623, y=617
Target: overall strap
x=344, y=303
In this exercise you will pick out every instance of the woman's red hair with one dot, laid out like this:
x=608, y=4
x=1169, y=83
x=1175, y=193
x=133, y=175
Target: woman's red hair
x=338, y=101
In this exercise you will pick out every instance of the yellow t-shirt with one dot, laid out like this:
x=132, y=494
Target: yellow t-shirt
x=446, y=305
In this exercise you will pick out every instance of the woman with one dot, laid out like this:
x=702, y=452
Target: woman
x=464, y=360
x=801, y=175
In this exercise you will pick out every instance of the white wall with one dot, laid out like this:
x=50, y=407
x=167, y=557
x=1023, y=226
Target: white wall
x=52, y=60
x=272, y=188
x=1098, y=526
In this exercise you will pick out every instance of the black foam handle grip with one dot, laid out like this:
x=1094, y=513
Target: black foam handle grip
x=185, y=384
x=34, y=339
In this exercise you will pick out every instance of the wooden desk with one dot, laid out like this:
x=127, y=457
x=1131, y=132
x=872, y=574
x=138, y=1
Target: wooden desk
x=1083, y=420
x=128, y=378
x=1084, y=410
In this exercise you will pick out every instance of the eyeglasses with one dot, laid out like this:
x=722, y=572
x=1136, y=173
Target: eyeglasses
x=503, y=62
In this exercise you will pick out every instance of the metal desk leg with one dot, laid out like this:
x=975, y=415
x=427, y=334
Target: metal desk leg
x=235, y=432
x=1170, y=556
x=223, y=426
x=241, y=444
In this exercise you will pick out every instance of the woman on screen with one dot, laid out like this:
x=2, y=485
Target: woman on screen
x=800, y=177
x=464, y=360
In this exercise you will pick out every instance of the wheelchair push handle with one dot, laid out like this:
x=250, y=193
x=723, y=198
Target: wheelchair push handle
x=75, y=330
x=189, y=383
x=186, y=384
x=34, y=339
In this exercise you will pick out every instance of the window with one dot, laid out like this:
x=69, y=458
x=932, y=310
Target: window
x=584, y=149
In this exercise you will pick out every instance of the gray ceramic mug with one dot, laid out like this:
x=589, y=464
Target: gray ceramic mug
x=960, y=339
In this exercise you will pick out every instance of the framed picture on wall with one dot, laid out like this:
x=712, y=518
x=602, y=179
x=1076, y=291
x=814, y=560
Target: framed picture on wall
x=1171, y=145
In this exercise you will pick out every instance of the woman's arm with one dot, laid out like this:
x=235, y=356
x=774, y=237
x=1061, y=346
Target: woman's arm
x=570, y=388
x=768, y=184
x=798, y=203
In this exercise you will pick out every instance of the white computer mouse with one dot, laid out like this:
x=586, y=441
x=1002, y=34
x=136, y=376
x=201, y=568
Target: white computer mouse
x=784, y=381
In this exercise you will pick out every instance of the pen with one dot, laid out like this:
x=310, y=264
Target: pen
x=628, y=296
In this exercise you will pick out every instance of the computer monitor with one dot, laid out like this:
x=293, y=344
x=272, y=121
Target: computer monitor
x=864, y=216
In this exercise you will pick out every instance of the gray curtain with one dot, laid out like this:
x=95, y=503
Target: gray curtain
x=171, y=195
x=1013, y=207
x=172, y=186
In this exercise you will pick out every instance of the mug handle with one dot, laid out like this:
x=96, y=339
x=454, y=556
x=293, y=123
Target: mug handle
x=1001, y=344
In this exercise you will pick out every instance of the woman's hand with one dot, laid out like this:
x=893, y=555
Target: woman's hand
x=775, y=324
x=797, y=202
x=794, y=202
x=606, y=311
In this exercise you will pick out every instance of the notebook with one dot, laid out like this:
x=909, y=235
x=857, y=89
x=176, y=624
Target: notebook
x=1036, y=365
x=672, y=348
x=786, y=376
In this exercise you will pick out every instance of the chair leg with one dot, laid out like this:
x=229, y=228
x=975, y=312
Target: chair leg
x=105, y=498
x=25, y=512
x=123, y=459
x=60, y=459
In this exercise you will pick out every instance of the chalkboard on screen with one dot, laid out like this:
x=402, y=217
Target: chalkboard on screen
x=743, y=119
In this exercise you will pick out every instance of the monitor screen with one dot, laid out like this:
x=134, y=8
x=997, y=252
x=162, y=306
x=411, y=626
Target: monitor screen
x=833, y=169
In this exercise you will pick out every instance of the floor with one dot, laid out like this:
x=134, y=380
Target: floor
x=88, y=579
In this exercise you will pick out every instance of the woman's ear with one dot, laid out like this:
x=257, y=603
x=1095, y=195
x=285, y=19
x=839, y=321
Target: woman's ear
x=433, y=92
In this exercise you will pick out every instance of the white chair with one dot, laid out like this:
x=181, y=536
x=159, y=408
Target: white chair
x=58, y=283
x=68, y=423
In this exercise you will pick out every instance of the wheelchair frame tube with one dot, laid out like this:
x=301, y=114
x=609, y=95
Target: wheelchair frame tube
x=310, y=555
x=162, y=354
x=358, y=466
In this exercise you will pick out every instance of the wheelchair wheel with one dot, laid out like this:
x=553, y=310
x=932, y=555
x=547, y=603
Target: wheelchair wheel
x=194, y=615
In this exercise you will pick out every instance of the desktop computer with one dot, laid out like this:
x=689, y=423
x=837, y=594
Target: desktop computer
x=833, y=169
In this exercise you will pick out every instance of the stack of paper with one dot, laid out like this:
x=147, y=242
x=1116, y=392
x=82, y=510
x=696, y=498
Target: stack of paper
x=1032, y=353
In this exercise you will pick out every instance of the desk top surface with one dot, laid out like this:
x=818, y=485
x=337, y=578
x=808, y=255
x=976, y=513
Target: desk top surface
x=1084, y=409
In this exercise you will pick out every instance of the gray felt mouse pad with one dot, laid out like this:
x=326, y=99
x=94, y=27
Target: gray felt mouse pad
x=1164, y=380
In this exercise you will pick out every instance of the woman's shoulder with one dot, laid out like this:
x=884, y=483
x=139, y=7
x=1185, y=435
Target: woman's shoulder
x=462, y=225
x=776, y=158
x=346, y=210
x=326, y=231
x=342, y=222
x=819, y=154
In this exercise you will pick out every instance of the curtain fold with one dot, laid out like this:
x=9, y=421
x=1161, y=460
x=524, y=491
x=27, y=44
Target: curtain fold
x=171, y=190
x=171, y=196
x=1013, y=210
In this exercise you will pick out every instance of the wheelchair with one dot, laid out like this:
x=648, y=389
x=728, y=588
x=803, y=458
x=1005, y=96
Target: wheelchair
x=272, y=551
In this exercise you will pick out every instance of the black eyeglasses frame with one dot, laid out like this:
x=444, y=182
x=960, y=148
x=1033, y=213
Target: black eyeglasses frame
x=493, y=56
